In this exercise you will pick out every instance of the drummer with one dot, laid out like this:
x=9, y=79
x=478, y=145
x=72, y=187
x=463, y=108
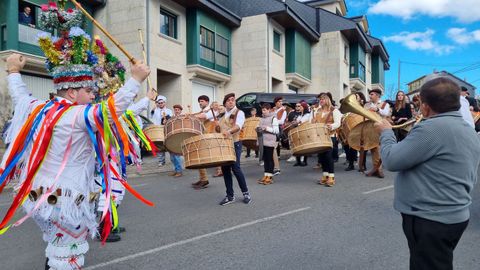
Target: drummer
x=230, y=125
x=330, y=116
x=383, y=109
x=303, y=116
x=176, y=159
x=350, y=153
x=203, y=103
x=159, y=116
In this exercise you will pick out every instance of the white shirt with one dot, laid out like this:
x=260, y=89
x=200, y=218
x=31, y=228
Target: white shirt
x=383, y=112
x=303, y=118
x=78, y=175
x=158, y=114
x=138, y=107
x=465, y=111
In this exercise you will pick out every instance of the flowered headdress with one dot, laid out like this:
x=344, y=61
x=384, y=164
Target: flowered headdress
x=109, y=72
x=69, y=59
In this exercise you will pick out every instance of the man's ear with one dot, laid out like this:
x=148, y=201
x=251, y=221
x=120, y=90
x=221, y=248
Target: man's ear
x=72, y=94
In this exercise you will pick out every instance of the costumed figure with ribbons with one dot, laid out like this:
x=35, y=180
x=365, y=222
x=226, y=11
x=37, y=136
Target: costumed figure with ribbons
x=109, y=74
x=51, y=161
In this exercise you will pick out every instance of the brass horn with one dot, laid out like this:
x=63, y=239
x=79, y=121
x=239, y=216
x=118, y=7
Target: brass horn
x=350, y=104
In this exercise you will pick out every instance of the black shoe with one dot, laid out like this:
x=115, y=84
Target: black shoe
x=112, y=237
x=247, y=156
x=350, y=168
x=297, y=164
x=303, y=164
x=227, y=200
x=246, y=198
x=46, y=265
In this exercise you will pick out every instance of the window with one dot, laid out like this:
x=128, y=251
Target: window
x=247, y=100
x=361, y=71
x=276, y=41
x=207, y=45
x=345, y=53
x=222, y=51
x=168, y=23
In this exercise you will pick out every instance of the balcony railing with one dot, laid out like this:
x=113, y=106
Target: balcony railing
x=27, y=34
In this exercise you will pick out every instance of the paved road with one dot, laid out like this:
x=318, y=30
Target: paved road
x=292, y=224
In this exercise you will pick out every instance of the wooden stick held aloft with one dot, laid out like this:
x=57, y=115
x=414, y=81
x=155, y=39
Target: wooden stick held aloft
x=120, y=47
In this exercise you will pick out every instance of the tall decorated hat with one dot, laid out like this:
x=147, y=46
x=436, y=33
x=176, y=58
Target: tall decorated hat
x=109, y=72
x=69, y=59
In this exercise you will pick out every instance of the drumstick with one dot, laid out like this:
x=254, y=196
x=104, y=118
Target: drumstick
x=120, y=47
x=149, y=83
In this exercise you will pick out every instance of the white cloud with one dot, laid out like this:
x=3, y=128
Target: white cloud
x=463, y=10
x=420, y=41
x=462, y=36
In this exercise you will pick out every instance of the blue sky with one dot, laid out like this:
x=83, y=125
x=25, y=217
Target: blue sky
x=425, y=35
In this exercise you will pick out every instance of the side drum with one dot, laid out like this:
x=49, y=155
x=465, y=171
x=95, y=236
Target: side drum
x=364, y=136
x=156, y=134
x=207, y=151
x=248, y=134
x=180, y=128
x=309, y=138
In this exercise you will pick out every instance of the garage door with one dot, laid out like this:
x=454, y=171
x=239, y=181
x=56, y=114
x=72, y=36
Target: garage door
x=38, y=86
x=199, y=89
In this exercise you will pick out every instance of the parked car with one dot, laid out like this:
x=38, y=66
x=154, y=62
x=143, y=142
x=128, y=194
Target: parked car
x=255, y=99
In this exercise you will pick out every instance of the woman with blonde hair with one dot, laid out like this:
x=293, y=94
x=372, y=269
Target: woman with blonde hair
x=331, y=117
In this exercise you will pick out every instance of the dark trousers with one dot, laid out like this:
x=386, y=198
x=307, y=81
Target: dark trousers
x=237, y=171
x=326, y=159
x=268, y=159
x=431, y=243
x=278, y=150
x=351, y=154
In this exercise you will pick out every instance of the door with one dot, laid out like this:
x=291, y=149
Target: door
x=40, y=87
x=198, y=89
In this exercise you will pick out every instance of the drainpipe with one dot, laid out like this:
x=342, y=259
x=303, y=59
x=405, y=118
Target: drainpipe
x=147, y=45
x=269, y=79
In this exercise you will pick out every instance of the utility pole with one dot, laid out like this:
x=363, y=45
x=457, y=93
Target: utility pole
x=398, y=87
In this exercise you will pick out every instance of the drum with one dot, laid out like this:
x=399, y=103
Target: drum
x=369, y=140
x=156, y=135
x=207, y=151
x=309, y=138
x=350, y=121
x=179, y=128
x=248, y=134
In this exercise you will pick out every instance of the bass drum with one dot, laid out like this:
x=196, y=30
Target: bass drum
x=179, y=128
x=309, y=138
x=207, y=151
x=248, y=134
x=364, y=136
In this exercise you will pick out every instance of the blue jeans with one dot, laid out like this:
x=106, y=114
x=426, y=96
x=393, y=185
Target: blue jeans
x=177, y=162
x=161, y=157
x=237, y=171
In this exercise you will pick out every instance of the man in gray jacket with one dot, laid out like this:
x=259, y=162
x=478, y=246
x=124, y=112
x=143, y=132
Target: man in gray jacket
x=437, y=167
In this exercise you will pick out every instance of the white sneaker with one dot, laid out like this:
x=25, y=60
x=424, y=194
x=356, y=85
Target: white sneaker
x=291, y=159
x=261, y=163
